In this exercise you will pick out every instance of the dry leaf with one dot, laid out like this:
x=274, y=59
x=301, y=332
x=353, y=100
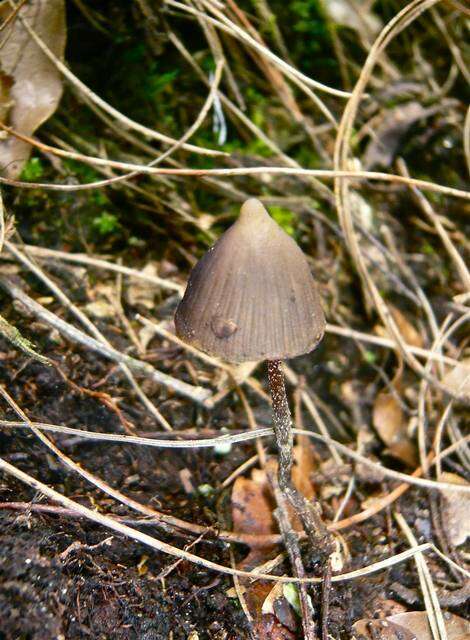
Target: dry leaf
x=389, y=422
x=457, y=380
x=283, y=602
x=388, y=417
x=304, y=466
x=409, y=333
x=389, y=134
x=456, y=507
x=409, y=626
x=353, y=14
x=275, y=593
x=380, y=630
x=143, y=292
x=417, y=622
x=100, y=309
x=31, y=86
x=252, y=512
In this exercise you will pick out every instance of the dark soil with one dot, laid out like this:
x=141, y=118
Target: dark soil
x=62, y=577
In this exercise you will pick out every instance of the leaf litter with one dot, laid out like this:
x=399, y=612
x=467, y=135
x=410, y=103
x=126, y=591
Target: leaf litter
x=120, y=594
x=31, y=85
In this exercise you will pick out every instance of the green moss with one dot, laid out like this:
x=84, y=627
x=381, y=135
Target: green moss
x=32, y=171
x=284, y=218
x=309, y=38
x=427, y=248
x=83, y=172
x=370, y=357
x=106, y=223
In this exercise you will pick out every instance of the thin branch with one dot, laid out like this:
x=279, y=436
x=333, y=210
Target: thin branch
x=197, y=394
x=243, y=437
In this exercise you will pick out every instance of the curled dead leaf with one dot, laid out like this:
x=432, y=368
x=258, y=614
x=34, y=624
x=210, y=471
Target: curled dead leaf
x=31, y=86
x=142, y=292
x=380, y=630
x=252, y=512
x=412, y=625
x=408, y=331
x=391, y=130
x=274, y=594
x=390, y=422
x=417, y=622
x=456, y=507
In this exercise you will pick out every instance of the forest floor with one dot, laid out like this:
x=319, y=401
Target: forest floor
x=384, y=398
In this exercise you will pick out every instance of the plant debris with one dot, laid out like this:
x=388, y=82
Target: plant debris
x=31, y=85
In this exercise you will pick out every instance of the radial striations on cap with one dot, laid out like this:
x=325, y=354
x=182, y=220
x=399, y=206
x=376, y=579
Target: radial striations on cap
x=252, y=295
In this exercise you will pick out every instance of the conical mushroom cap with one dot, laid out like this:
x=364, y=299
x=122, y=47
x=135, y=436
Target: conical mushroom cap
x=251, y=296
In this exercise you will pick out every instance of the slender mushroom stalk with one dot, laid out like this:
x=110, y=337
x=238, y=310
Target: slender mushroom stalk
x=282, y=421
x=308, y=512
x=252, y=297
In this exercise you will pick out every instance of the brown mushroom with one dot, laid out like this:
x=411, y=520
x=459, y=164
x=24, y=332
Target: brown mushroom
x=252, y=297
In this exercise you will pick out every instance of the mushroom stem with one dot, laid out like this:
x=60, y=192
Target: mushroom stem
x=308, y=512
x=282, y=422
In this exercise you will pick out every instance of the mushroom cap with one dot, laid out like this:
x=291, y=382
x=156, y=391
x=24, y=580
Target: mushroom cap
x=252, y=296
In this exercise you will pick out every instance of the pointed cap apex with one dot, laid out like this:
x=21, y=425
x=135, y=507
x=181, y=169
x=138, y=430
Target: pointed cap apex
x=252, y=210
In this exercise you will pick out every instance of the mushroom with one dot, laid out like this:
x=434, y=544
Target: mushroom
x=252, y=297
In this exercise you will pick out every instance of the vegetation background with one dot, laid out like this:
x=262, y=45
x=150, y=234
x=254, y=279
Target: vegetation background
x=268, y=93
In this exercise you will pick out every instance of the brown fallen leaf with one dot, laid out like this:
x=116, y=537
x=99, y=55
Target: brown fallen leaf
x=304, y=467
x=417, y=622
x=390, y=422
x=390, y=132
x=409, y=626
x=388, y=416
x=252, y=512
x=31, y=86
x=456, y=509
x=380, y=630
x=142, y=292
x=408, y=331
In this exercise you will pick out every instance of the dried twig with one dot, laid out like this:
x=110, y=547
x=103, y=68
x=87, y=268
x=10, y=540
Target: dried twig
x=245, y=437
x=197, y=394
x=88, y=324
